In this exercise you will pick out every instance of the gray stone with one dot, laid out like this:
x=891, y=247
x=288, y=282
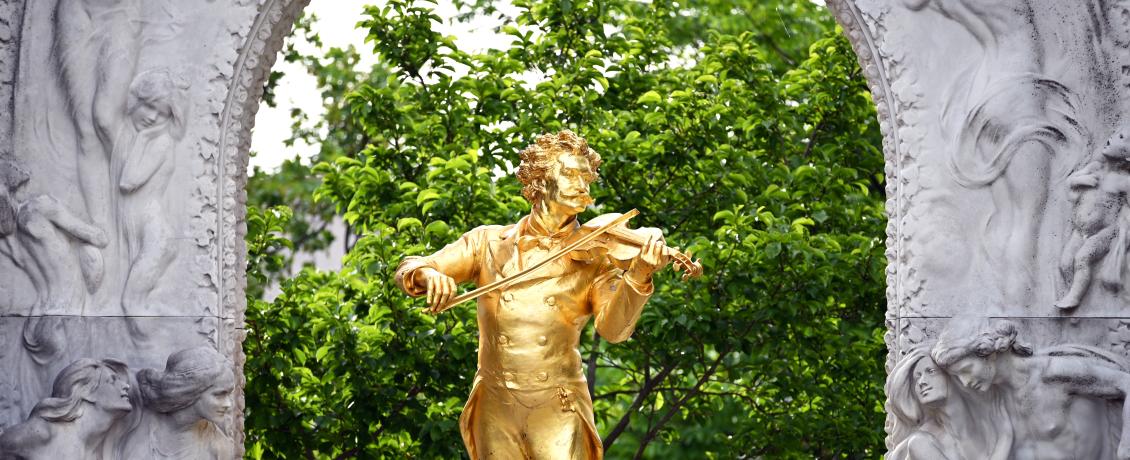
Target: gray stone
x=1008, y=196
x=124, y=130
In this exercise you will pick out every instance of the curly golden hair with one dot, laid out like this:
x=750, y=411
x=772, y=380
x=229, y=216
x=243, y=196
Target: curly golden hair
x=538, y=159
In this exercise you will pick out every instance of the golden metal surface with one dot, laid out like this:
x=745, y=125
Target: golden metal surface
x=524, y=273
x=530, y=399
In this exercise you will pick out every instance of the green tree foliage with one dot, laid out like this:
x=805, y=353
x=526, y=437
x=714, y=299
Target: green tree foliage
x=742, y=129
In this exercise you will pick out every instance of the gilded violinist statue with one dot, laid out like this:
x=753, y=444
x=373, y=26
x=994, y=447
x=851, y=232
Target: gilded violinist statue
x=540, y=280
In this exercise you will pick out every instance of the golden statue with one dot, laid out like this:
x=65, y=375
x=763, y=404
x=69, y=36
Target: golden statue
x=539, y=282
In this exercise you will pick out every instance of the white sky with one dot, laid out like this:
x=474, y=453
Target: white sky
x=337, y=20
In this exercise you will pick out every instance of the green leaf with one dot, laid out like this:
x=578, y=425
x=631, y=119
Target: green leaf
x=706, y=79
x=408, y=222
x=803, y=221
x=603, y=83
x=458, y=164
x=650, y=97
x=426, y=195
x=438, y=228
x=655, y=118
x=725, y=214
x=772, y=250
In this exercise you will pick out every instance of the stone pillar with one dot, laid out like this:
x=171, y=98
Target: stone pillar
x=1008, y=177
x=124, y=131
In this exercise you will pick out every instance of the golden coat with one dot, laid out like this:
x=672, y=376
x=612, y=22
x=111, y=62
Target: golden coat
x=529, y=332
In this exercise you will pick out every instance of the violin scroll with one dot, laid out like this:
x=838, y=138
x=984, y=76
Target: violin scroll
x=691, y=268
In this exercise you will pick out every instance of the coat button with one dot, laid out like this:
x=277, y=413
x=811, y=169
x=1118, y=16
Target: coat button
x=503, y=340
x=542, y=340
x=550, y=301
x=542, y=376
x=509, y=297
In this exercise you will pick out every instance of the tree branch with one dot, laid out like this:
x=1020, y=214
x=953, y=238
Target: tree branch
x=645, y=391
x=590, y=371
x=694, y=391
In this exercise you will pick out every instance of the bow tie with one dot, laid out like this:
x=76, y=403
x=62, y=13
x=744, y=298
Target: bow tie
x=545, y=242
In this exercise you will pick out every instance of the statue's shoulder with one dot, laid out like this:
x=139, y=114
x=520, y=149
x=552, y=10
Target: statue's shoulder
x=27, y=435
x=918, y=444
x=492, y=232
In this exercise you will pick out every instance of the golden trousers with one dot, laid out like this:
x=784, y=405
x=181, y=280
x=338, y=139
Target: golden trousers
x=554, y=423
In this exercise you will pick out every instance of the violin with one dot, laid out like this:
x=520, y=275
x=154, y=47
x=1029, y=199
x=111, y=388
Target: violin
x=608, y=231
x=624, y=244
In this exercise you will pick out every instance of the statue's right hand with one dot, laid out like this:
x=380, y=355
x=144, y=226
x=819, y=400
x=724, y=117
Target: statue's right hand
x=441, y=289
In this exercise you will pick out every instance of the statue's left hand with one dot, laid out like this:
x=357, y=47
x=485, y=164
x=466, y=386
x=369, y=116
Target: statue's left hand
x=653, y=256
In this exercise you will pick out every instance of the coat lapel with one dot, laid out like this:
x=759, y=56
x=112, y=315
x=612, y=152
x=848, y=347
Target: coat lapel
x=504, y=252
x=505, y=257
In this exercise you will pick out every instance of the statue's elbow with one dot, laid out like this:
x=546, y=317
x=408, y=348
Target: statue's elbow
x=615, y=335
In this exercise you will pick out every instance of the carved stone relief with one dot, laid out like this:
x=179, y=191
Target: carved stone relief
x=1008, y=180
x=981, y=389
x=185, y=408
x=994, y=107
x=1100, y=225
x=124, y=129
x=100, y=409
x=88, y=398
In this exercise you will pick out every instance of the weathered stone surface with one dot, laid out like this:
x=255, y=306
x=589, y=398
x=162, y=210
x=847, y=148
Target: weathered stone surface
x=124, y=132
x=1008, y=169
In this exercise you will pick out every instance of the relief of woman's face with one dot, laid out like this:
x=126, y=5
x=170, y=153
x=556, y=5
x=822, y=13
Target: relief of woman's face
x=214, y=404
x=930, y=383
x=149, y=114
x=112, y=393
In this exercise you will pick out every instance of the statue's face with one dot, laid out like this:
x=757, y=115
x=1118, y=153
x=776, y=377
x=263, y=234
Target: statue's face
x=567, y=185
x=112, y=393
x=214, y=404
x=147, y=115
x=930, y=383
x=974, y=372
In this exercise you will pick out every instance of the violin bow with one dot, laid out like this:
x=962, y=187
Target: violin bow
x=524, y=273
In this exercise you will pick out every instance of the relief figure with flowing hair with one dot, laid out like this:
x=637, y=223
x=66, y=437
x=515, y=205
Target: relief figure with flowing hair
x=1065, y=401
x=89, y=396
x=185, y=408
x=1007, y=122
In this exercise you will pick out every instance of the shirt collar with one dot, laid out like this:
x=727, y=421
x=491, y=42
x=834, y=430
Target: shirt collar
x=531, y=227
